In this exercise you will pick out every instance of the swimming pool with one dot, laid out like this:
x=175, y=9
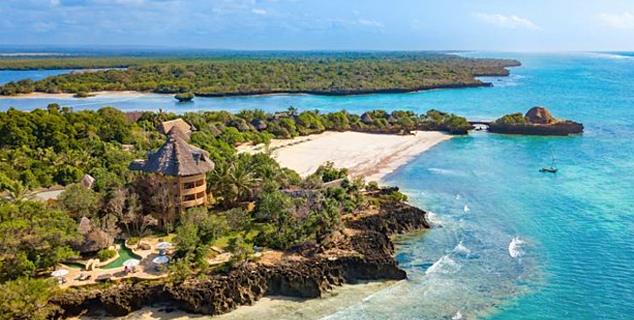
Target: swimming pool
x=124, y=254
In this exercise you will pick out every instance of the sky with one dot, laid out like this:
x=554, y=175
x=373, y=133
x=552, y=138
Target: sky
x=503, y=25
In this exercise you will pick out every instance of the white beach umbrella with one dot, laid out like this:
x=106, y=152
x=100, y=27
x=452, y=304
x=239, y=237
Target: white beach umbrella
x=131, y=263
x=163, y=245
x=161, y=260
x=59, y=273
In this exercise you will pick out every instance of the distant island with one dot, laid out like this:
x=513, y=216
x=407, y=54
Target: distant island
x=319, y=74
x=184, y=97
x=537, y=121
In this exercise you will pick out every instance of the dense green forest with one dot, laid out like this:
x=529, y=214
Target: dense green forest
x=344, y=73
x=64, y=62
x=58, y=145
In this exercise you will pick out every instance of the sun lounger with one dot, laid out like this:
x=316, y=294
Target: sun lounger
x=84, y=277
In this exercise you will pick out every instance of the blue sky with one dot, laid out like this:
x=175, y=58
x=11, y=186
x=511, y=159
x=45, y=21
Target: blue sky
x=528, y=25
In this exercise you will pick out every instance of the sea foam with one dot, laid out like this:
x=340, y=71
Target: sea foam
x=444, y=265
x=460, y=248
x=515, y=247
x=433, y=218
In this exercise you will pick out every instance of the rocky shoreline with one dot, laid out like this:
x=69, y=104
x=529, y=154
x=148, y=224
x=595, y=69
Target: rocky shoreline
x=369, y=256
x=538, y=121
x=563, y=128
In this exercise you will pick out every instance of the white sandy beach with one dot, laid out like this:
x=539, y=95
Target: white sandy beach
x=41, y=95
x=370, y=155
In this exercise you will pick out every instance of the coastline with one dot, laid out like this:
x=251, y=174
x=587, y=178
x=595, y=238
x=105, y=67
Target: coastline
x=40, y=95
x=34, y=95
x=348, y=147
x=269, y=307
x=365, y=255
x=372, y=156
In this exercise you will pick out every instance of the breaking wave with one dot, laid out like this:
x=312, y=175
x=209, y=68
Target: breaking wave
x=444, y=265
x=515, y=247
x=461, y=249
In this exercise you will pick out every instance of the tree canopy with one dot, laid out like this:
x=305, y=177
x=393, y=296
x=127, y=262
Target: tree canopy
x=325, y=73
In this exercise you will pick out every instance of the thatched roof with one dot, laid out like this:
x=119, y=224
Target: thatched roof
x=539, y=115
x=240, y=124
x=214, y=130
x=94, y=239
x=185, y=127
x=259, y=124
x=175, y=158
x=279, y=115
x=366, y=118
x=87, y=181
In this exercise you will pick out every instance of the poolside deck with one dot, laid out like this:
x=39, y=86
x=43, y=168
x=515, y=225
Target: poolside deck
x=145, y=270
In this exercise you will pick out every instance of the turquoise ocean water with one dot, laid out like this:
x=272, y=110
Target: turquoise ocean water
x=511, y=243
x=8, y=76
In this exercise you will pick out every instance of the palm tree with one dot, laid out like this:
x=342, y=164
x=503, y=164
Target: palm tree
x=80, y=158
x=243, y=180
x=18, y=192
x=234, y=183
x=292, y=111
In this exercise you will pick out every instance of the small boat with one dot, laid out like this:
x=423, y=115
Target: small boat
x=551, y=169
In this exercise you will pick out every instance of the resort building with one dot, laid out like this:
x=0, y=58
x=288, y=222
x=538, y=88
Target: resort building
x=185, y=127
x=182, y=168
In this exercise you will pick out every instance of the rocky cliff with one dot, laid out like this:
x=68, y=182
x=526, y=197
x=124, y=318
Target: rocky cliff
x=537, y=121
x=371, y=258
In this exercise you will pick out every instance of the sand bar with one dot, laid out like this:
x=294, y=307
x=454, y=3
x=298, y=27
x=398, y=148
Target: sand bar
x=370, y=155
x=43, y=95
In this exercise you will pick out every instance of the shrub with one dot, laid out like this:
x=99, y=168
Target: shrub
x=512, y=119
x=26, y=298
x=105, y=254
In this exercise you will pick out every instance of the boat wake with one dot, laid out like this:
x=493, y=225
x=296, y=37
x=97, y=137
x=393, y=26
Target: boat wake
x=611, y=56
x=515, y=247
x=439, y=171
x=445, y=172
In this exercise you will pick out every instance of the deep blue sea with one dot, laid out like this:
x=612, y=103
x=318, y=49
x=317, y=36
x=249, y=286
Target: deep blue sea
x=510, y=242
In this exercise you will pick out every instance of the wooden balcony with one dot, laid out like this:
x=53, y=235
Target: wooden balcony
x=193, y=203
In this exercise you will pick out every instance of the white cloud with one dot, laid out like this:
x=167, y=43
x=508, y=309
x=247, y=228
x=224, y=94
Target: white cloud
x=370, y=23
x=42, y=27
x=124, y=2
x=259, y=11
x=512, y=21
x=624, y=20
x=417, y=24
